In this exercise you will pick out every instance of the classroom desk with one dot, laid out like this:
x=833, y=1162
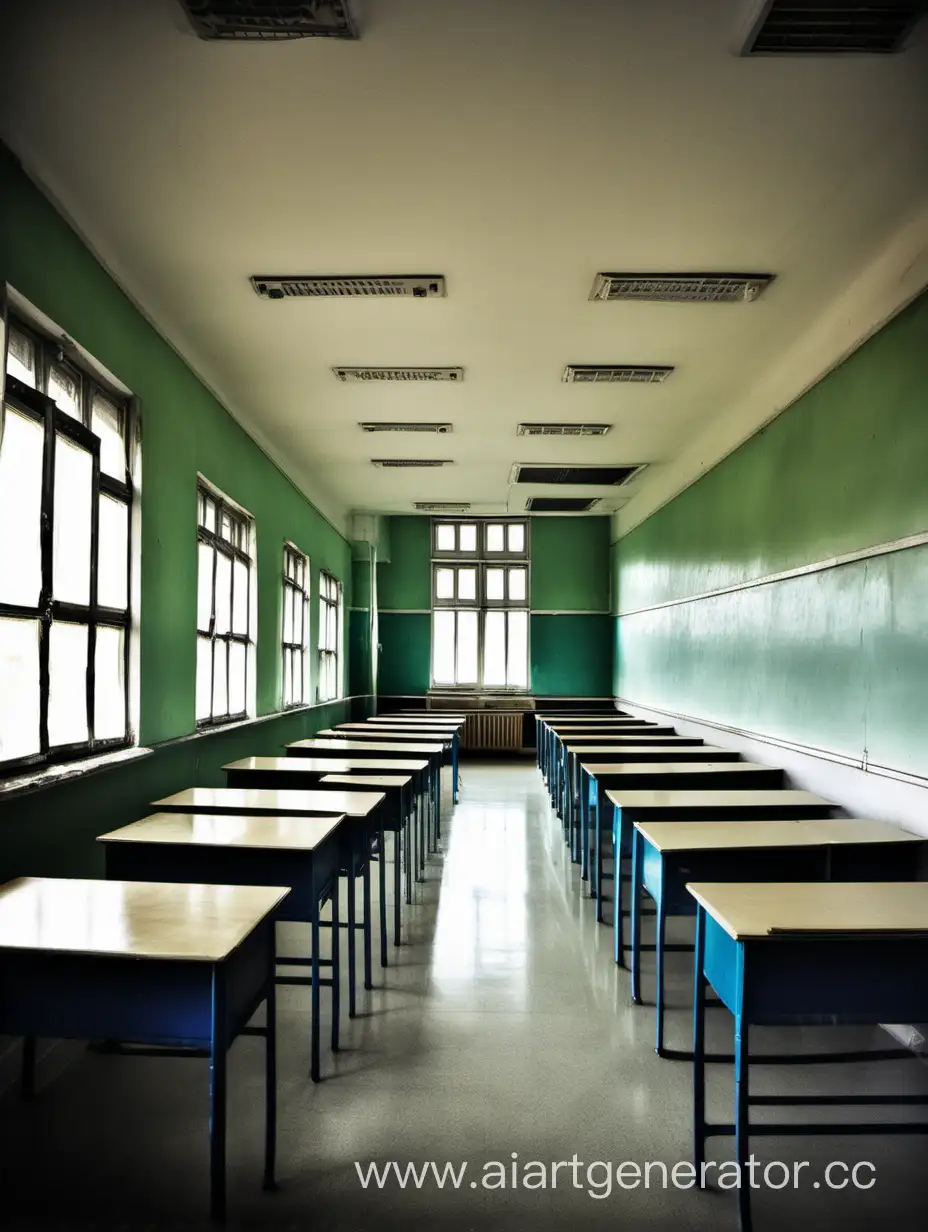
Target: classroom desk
x=787, y=953
x=361, y=807
x=668, y=854
x=299, y=852
x=167, y=966
x=593, y=770
x=558, y=784
x=547, y=728
x=372, y=730
x=629, y=806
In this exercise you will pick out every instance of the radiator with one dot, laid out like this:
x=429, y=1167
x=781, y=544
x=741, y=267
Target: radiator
x=493, y=731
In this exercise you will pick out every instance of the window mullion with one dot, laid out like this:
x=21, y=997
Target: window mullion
x=46, y=540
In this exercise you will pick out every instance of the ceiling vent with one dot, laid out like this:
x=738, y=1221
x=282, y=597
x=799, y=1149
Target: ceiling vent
x=396, y=463
x=831, y=27
x=560, y=504
x=363, y=375
x=330, y=286
x=624, y=374
x=267, y=20
x=562, y=429
x=392, y=426
x=587, y=475
x=681, y=288
x=441, y=506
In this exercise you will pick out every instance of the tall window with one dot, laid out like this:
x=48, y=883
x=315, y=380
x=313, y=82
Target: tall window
x=480, y=604
x=330, y=623
x=65, y=505
x=225, y=635
x=295, y=635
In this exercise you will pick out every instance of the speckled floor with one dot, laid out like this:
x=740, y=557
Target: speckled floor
x=503, y=1027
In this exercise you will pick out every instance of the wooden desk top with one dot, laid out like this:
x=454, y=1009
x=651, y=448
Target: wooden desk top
x=361, y=746
x=271, y=800
x=759, y=798
x=380, y=781
x=410, y=721
x=227, y=830
x=602, y=744
x=316, y=765
x=726, y=835
x=765, y=909
x=438, y=715
x=572, y=724
x=357, y=731
x=131, y=919
x=708, y=766
x=696, y=752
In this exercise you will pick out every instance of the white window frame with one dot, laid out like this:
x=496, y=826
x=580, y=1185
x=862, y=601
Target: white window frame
x=296, y=589
x=331, y=595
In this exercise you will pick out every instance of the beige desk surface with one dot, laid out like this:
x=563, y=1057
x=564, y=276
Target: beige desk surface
x=688, y=767
x=712, y=799
x=385, y=732
x=712, y=835
x=377, y=720
x=696, y=752
x=369, y=780
x=763, y=909
x=271, y=800
x=361, y=746
x=438, y=715
x=601, y=743
x=131, y=919
x=557, y=725
x=227, y=830
x=313, y=765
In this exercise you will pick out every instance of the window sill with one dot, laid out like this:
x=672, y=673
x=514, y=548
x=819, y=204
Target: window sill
x=49, y=776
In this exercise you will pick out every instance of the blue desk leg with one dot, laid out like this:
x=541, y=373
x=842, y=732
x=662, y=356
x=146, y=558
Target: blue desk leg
x=660, y=925
x=598, y=851
x=455, y=744
x=741, y=1116
x=699, y=1046
x=218, y=1047
x=314, y=1067
x=352, y=948
x=637, y=857
x=367, y=930
x=336, y=972
x=382, y=869
x=270, y=1064
x=397, y=869
x=583, y=805
x=618, y=923
x=437, y=806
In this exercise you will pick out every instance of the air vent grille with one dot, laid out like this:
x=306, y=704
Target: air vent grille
x=364, y=375
x=562, y=429
x=625, y=374
x=349, y=286
x=441, y=506
x=681, y=288
x=833, y=27
x=267, y=20
x=396, y=463
x=560, y=504
x=595, y=476
x=398, y=426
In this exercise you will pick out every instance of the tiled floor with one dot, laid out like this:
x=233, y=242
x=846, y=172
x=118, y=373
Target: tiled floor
x=503, y=1028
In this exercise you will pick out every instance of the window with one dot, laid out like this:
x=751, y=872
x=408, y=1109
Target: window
x=65, y=519
x=330, y=632
x=480, y=597
x=225, y=627
x=295, y=635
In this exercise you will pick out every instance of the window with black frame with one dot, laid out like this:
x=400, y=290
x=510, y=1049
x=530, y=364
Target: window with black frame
x=65, y=551
x=295, y=631
x=225, y=637
x=330, y=619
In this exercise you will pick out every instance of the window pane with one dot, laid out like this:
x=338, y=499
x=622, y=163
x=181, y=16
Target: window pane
x=106, y=421
x=494, y=649
x=467, y=647
x=495, y=537
x=240, y=597
x=220, y=679
x=21, y=453
x=223, y=593
x=467, y=584
x=237, y=657
x=205, y=553
x=209, y=514
x=517, y=585
x=444, y=583
x=299, y=614
x=65, y=388
x=444, y=537
x=496, y=579
x=443, y=656
x=19, y=671
x=109, y=699
x=67, y=683
x=515, y=537
x=299, y=677
x=204, y=677
x=73, y=497
x=288, y=614
x=323, y=632
x=517, y=662
x=288, y=678
x=20, y=358
x=112, y=554
x=467, y=537
x=225, y=526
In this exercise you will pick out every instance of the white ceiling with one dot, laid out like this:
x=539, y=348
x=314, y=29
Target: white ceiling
x=516, y=147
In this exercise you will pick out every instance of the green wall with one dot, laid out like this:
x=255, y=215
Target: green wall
x=184, y=430
x=570, y=564
x=836, y=659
